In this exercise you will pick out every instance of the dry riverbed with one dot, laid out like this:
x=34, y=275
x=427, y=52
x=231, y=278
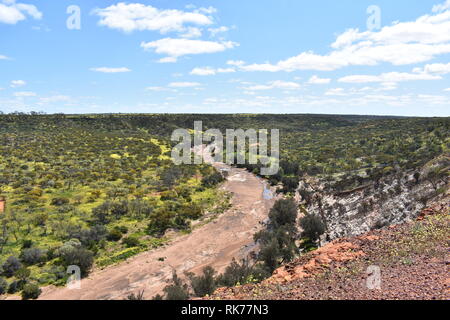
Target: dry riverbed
x=215, y=244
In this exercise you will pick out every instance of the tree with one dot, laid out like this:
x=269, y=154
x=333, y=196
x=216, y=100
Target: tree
x=235, y=273
x=11, y=265
x=31, y=291
x=270, y=254
x=32, y=256
x=160, y=221
x=16, y=286
x=278, y=240
x=23, y=273
x=177, y=290
x=3, y=286
x=80, y=257
x=313, y=226
x=131, y=241
x=290, y=184
x=137, y=296
x=212, y=179
x=283, y=212
x=114, y=235
x=204, y=284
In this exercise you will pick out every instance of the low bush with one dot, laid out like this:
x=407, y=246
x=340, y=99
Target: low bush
x=31, y=291
x=313, y=226
x=114, y=235
x=177, y=290
x=204, y=284
x=131, y=241
x=32, y=256
x=16, y=286
x=11, y=265
x=3, y=286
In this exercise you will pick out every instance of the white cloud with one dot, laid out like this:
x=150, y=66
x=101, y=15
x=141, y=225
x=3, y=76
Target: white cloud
x=192, y=32
x=442, y=7
x=433, y=99
x=209, y=10
x=317, y=80
x=278, y=84
x=175, y=48
x=216, y=31
x=2, y=57
x=335, y=92
x=208, y=71
x=110, y=70
x=184, y=84
x=168, y=60
x=448, y=89
x=55, y=98
x=157, y=89
x=23, y=94
x=136, y=16
x=17, y=83
x=12, y=12
x=236, y=63
x=226, y=70
x=389, y=77
x=435, y=68
x=384, y=86
x=398, y=44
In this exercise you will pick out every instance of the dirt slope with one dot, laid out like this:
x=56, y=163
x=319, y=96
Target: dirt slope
x=215, y=244
x=412, y=259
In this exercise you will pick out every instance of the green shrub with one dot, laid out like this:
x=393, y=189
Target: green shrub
x=32, y=256
x=114, y=235
x=122, y=229
x=27, y=244
x=31, y=291
x=138, y=296
x=23, y=273
x=3, y=286
x=16, y=286
x=11, y=265
x=204, y=284
x=80, y=257
x=131, y=241
x=120, y=256
x=177, y=290
x=270, y=255
x=235, y=273
x=59, y=201
x=313, y=226
x=283, y=212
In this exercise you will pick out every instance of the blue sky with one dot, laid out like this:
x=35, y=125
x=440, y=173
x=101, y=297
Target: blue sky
x=217, y=56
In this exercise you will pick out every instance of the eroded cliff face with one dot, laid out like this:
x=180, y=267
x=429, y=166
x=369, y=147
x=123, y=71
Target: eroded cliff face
x=392, y=199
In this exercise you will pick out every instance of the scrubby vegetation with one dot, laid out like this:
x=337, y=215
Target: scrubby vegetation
x=277, y=246
x=93, y=190
x=88, y=191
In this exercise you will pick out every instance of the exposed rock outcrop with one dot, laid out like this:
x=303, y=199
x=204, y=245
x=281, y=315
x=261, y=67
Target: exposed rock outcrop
x=392, y=199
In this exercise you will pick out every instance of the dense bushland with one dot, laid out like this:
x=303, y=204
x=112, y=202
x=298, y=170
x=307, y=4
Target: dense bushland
x=96, y=189
x=81, y=191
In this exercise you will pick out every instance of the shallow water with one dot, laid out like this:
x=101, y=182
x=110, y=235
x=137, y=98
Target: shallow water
x=267, y=193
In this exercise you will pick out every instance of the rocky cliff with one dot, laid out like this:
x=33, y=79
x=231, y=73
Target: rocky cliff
x=396, y=197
